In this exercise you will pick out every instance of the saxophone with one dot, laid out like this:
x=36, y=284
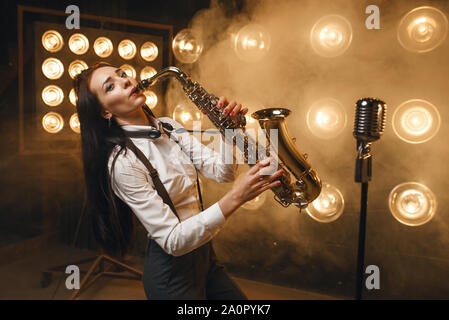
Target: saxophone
x=300, y=191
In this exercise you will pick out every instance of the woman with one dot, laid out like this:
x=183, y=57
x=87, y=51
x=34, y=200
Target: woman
x=180, y=262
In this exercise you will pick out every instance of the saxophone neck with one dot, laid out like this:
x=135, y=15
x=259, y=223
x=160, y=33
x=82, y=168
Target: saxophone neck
x=163, y=74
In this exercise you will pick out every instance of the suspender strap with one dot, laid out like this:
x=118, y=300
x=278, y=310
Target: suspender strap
x=154, y=175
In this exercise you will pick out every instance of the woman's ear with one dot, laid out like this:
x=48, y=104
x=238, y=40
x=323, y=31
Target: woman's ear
x=106, y=114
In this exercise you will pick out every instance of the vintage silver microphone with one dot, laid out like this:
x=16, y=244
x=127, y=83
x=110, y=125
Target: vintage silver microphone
x=369, y=125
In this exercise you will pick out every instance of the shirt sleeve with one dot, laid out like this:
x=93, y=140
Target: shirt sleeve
x=219, y=166
x=134, y=186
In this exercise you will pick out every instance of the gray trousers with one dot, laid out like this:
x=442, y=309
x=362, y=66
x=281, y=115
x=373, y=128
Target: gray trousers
x=196, y=275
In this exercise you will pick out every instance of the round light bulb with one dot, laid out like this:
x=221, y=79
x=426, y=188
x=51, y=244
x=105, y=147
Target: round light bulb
x=52, y=41
x=52, y=68
x=78, y=43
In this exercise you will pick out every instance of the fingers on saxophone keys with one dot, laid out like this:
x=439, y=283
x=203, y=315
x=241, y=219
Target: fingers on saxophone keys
x=229, y=107
x=222, y=101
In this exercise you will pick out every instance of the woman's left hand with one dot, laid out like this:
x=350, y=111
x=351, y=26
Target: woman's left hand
x=231, y=109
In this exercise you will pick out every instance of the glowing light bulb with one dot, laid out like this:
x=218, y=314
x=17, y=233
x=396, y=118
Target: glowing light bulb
x=52, y=41
x=103, y=47
x=186, y=115
x=147, y=72
x=52, y=68
x=252, y=43
x=52, y=122
x=129, y=70
x=75, y=123
x=151, y=99
x=78, y=43
x=422, y=29
x=187, y=46
x=52, y=95
x=331, y=36
x=127, y=49
x=328, y=206
x=412, y=203
x=76, y=67
x=416, y=121
x=72, y=97
x=326, y=118
x=149, y=51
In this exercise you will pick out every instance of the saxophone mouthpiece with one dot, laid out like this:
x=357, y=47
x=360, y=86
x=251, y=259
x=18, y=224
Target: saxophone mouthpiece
x=142, y=85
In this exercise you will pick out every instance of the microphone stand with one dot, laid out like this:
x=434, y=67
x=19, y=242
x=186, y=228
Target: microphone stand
x=362, y=174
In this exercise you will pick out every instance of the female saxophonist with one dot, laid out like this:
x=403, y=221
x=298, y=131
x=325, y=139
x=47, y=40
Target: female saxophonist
x=180, y=262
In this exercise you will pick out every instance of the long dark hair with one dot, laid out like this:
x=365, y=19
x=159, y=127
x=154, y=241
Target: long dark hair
x=112, y=220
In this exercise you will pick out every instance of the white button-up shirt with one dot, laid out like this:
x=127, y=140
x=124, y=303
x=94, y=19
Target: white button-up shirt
x=176, y=164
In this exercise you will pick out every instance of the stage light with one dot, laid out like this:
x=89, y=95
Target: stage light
x=328, y=206
x=52, y=41
x=103, y=47
x=129, y=70
x=186, y=114
x=148, y=51
x=52, y=68
x=412, y=203
x=75, y=123
x=52, y=95
x=127, y=49
x=416, y=121
x=422, y=29
x=76, y=67
x=252, y=43
x=326, y=118
x=151, y=99
x=187, y=46
x=331, y=36
x=147, y=72
x=52, y=122
x=72, y=97
x=78, y=43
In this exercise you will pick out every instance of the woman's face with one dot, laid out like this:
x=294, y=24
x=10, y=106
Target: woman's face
x=113, y=88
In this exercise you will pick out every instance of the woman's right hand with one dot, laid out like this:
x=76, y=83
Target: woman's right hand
x=255, y=181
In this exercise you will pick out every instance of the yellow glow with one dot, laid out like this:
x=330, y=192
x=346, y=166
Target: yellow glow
x=422, y=29
x=252, y=43
x=149, y=51
x=147, y=72
x=151, y=99
x=52, y=95
x=75, y=123
x=52, y=122
x=127, y=49
x=412, y=203
x=52, y=41
x=103, y=47
x=72, y=97
x=129, y=70
x=52, y=68
x=416, y=121
x=331, y=36
x=187, y=46
x=326, y=118
x=76, y=67
x=78, y=43
x=186, y=115
x=328, y=206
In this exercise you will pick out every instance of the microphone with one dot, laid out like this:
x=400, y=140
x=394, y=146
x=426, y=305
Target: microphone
x=369, y=121
x=369, y=125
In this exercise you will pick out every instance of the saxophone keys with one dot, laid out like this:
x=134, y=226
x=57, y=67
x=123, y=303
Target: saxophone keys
x=305, y=155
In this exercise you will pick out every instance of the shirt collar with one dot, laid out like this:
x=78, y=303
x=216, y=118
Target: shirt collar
x=132, y=128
